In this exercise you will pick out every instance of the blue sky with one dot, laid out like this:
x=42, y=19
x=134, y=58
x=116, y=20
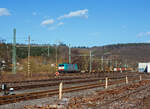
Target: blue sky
x=76, y=22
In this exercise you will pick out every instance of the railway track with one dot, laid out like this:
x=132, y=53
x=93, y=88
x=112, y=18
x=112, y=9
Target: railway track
x=110, y=97
x=21, y=87
x=36, y=95
x=134, y=89
x=51, y=84
x=146, y=103
x=70, y=77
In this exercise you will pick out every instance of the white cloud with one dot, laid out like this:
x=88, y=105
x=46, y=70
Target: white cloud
x=143, y=34
x=4, y=12
x=56, y=26
x=52, y=28
x=46, y=17
x=34, y=13
x=148, y=33
x=78, y=13
x=47, y=22
x=140, y=34
x=60, y=24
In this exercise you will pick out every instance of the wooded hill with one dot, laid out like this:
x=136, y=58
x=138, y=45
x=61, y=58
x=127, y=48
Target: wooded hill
x=124, y=54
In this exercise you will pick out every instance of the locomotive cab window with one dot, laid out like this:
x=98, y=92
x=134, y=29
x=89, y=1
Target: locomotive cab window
x=61, y=65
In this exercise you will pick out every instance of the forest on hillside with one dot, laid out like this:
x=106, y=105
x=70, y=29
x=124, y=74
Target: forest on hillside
x=43, y=57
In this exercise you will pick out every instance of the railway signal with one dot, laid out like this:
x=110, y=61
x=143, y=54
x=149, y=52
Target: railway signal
x=57, y=73
x=11, y=91
x=4, y=87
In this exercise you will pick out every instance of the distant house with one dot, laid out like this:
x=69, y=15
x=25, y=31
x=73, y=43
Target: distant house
x=144, y=67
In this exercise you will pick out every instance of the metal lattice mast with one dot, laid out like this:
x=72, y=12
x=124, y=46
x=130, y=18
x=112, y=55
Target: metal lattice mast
x=69, y=54
x=56, y=58
x=29, y=56
x=48, y=51
x=90, y=61
x=14, y=53
x=102, y=66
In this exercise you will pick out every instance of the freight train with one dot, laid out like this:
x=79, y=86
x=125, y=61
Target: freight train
x=72, y=68
x=122, y=69
x=67, y=68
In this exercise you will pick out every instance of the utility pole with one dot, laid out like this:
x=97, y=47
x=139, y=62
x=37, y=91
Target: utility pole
x=48, y=51
x=29, y=57
x=102, y=64
x=125, y=63
x=111, y=66
x=90, y=61
x=116, y=64
x=56, y=57
x=14, y=53
x=69, y=54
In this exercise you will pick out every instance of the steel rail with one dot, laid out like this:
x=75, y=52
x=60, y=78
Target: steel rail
x=21, y=87
x=127, y=94
x=35, y=95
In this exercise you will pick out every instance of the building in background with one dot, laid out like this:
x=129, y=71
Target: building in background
x=144, y=67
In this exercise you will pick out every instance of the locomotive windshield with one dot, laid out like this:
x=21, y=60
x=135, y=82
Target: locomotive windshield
x=61, y=65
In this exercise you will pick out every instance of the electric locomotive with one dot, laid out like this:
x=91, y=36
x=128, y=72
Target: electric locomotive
x=67, y=68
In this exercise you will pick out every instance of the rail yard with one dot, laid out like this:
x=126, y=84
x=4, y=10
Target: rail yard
x=82, y=81
x=74, y=54
x=80, y=91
